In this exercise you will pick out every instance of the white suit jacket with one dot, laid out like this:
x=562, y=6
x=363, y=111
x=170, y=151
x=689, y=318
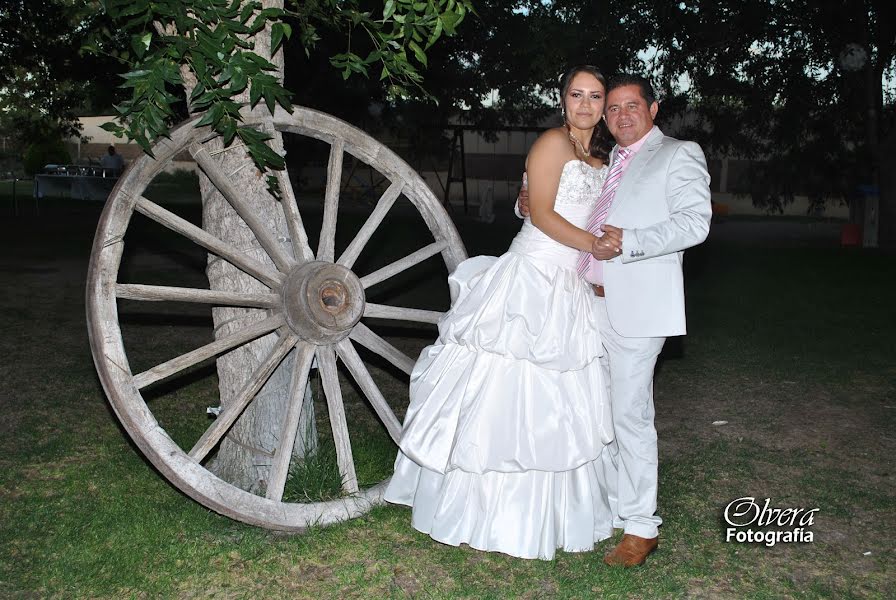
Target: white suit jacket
x=663, y=205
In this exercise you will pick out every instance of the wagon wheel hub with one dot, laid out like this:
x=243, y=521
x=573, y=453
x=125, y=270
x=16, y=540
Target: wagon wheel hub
x=322, y=301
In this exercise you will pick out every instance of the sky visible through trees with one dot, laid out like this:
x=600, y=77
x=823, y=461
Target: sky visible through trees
x=795, y=84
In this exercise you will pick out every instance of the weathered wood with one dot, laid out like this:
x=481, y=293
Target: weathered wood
x=186, y=473
x=362, y=377
x=322, y=301
x=209, y=242
x=324, y=127
x=185, y=361
x=280, y=466
x=326, y=362
x=159, y=293
x=364, y=336
x=383, y=205
x=231, y=413
x=222, y=182
x=299, y=237
x=326, y=247
x=399, y=313
x=402, y=264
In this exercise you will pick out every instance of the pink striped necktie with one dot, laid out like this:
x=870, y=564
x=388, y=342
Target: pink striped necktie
x=602, y=208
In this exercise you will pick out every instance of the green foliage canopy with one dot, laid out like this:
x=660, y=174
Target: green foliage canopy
x=45, y=79
x=213, y=42
x=775, y=83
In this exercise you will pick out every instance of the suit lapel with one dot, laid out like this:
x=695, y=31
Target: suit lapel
x=633, y=172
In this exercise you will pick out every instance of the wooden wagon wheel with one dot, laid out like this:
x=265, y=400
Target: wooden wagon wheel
x=314, y=305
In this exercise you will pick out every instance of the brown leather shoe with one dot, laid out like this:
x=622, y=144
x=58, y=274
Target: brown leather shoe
x=632, y=551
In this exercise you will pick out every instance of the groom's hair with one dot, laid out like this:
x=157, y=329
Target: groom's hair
x=624, y=79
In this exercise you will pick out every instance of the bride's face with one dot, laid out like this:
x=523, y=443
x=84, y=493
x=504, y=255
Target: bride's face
x=584, y=101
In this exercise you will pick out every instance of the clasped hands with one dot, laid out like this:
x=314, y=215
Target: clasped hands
x=605, y=247
x=609, y=245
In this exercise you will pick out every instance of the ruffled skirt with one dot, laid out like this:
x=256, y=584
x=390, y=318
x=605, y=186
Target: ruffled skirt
x=508, y=416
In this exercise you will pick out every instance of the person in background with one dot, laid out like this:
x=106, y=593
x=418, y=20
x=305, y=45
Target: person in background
x=112, y=161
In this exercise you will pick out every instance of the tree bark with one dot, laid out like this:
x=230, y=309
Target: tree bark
x=247, y=451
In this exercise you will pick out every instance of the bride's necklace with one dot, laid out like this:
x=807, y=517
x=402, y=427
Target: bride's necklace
x=577, y=144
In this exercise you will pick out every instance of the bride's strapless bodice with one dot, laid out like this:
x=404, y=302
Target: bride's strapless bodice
x=579, y=189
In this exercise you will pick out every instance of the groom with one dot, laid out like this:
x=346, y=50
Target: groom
x=660, y=207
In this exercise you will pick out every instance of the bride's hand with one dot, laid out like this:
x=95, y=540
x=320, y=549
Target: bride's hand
x=609, y=245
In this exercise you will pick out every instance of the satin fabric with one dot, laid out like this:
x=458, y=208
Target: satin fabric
x=508, y=416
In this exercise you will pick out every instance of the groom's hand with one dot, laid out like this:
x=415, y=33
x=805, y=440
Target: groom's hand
x=609, y=245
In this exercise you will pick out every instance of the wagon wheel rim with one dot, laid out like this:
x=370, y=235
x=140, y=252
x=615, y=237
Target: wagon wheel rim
x=315, y=304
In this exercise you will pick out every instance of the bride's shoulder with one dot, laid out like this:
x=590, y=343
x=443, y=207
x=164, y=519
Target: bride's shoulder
x=551, y=148
x=552, y=138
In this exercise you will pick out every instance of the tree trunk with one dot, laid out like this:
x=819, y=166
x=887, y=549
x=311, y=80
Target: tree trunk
x=246, y=453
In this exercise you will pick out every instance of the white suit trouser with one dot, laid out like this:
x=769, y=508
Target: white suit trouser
x=630, y=464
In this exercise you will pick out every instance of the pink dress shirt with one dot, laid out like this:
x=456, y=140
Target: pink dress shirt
x=595, y=272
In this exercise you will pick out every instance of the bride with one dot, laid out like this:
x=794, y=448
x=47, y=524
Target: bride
x=508, y=413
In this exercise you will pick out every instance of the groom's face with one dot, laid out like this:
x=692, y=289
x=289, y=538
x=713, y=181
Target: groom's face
x=629, y=118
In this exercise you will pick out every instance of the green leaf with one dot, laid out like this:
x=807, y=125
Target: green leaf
x=263, y=17
x=228, y=131
x=449, y=20
x=270, y=100
x=274, y=187
x=112, y=128
x=255, y=92
x=418, y=52
x=247, y=11
x=212, y=116
x=137, y=74
x=279, y=30
x=435, y=35
x=388, y=9
x=140, y=44
x=238, y=82
x=262, y=63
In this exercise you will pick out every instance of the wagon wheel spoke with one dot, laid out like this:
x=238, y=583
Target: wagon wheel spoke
x=359, y=372
x=214, y=245
x=300, y=246
x=283, y=454
x=364, y=336
x=225, y=185
x=383, y=205
x=229, y=415
x=184, y=361
x=403, y=264
x=399, y=313
x=156, y=293
x=326, y=362
x=326, y=247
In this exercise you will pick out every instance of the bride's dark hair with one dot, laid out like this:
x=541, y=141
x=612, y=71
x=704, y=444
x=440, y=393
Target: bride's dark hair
x=601, y=140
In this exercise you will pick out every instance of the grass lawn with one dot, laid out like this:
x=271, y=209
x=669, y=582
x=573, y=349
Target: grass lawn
x=792, y=346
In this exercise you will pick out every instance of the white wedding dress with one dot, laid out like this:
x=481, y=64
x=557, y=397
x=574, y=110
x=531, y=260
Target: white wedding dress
x=508, y=413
